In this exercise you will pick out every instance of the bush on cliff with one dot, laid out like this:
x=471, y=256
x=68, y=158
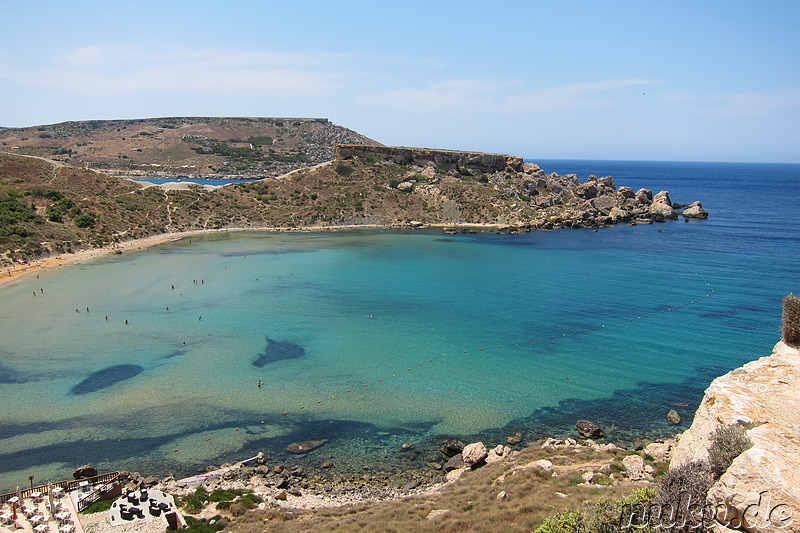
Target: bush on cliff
x=791, y=320
x=682, y=489
x=727, y=443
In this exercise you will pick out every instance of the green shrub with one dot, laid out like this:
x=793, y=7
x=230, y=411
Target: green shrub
x=563, y=522
x=791, y=320
x=195, y=525
x=85, y=220
x=54, y=213
x=99, y=507
x=344, y=170
x=727, y=443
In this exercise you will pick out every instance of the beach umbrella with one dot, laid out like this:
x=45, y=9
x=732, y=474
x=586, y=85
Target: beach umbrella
x=19, y=495
x=50, y=497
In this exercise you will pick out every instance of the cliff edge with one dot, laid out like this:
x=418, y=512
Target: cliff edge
x=760, y=490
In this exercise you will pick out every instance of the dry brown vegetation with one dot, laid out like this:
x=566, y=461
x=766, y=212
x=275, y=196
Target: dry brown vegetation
x=472, y=502
x=361, y=192
x=264, y=147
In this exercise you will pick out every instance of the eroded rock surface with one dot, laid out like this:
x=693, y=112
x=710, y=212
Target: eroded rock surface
x=762, y=484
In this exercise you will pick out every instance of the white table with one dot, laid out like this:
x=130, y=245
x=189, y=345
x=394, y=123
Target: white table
x=41, y=528
x=67, y=528
x=63, y=516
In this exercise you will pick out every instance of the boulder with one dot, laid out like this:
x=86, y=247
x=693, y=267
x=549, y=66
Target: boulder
x=405, y=186
x=437, y=513
x=659, y=451
x=451, y=447
x=84, y=471
x=589, y=429
x=604, y=204
x=474, y=454
x=607, y=182
x=626, y=192
x=662, y=206
x=634, y=467
x=497, y=454
x=618, y=214
x=695, y=211
x=454, y=475
x=544, y=464
x=586, y=190
x=454, y=463
x=530, y=168
x=305, y=446
x=588, y=477
x=673, y=417
x=644, y=196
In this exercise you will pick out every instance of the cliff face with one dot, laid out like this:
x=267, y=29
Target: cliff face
x=762, y=485
x=443, y=159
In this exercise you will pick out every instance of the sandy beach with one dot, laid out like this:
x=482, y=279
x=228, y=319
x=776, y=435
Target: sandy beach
x=44, y=264
x=37, y=266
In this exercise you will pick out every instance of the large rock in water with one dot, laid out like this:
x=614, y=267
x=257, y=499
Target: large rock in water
x=695, y=211
x=305, y=446
x=589, y=429
x=451, y=447
x=662, y=206
x=762, y=485
x=84, y=471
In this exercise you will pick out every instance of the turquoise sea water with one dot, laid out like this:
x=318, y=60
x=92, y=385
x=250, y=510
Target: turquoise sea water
x=372, y=339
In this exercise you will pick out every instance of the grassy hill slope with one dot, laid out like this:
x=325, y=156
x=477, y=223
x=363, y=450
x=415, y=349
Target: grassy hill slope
x=198, y=146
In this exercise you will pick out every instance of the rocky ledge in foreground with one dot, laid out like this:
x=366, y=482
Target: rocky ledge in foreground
x=760, y=490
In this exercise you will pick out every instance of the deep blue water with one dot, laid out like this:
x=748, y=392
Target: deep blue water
x=371, y=339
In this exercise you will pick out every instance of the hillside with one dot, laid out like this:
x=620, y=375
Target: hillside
x=51, y=207
x=191, y=146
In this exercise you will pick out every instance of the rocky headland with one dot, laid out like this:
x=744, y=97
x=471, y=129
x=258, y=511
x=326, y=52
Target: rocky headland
x=312, y=178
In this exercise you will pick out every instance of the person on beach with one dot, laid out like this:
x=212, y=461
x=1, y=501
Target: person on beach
x=259, y=383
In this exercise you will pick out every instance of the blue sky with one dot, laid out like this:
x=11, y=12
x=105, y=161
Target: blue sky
x=695, y=80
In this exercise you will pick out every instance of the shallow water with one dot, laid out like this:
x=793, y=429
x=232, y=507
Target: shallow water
x=372, y=339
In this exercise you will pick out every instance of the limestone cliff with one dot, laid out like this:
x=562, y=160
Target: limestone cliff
x=761, y=488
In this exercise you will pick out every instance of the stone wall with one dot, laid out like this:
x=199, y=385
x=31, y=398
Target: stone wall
x=443, y=159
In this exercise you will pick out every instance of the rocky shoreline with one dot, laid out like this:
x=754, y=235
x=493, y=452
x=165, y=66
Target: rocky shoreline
x=295, y=487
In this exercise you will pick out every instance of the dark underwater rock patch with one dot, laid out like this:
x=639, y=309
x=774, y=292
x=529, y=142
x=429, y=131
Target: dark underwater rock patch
x=9, y=375
x=106, y=377
x=278, y=351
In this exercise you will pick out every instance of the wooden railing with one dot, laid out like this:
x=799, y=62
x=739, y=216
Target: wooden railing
x=68, y=486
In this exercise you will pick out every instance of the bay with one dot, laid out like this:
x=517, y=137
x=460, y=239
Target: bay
x=371, y=339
